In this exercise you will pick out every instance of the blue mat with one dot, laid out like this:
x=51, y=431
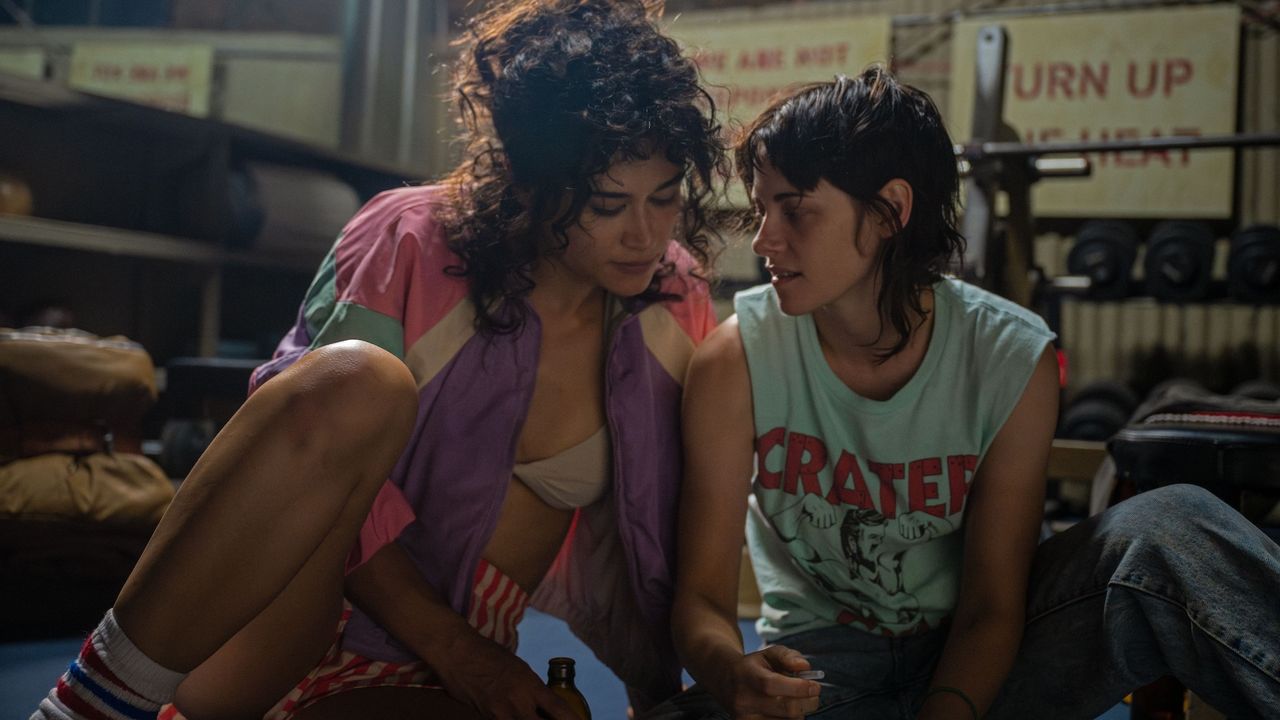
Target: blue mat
x=29, y=669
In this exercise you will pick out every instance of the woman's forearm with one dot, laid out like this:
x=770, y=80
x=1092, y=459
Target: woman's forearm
x=708, y=641
x=978, y=656
x=391, y=591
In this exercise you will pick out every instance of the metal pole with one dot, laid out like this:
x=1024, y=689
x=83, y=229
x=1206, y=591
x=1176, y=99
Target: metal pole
x=20, y=16
x=988, y=111
x=1055, y=9
x=988, y=115
x=369, y=89
x=351, y=52
x=210, y=313
x=408, y=82
x=980, y=149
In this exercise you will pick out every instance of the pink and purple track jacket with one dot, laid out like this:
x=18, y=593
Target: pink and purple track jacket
x=384, y=282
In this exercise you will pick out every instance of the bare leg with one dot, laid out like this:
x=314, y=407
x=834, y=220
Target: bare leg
x=254, y=544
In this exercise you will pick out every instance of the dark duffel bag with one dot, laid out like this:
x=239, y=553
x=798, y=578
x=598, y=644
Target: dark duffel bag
x=1228, y=444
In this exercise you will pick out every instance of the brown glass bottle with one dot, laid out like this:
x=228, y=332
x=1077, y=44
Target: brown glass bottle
x=560, y=680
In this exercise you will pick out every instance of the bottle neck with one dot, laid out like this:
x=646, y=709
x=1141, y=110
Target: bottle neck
x=560, y=673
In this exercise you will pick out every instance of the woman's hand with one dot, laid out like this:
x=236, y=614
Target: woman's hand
x=500, y=685
x=760, y=685
x=472, y=668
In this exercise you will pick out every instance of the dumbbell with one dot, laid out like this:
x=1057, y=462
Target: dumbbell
x=1253, y=266
x=1097, y=411
x=183, y=441
x=200, y=395
x=1179, y=262
x=1104, y=252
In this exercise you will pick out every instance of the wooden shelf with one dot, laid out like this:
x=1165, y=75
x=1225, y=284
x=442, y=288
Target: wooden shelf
x=41, y=232
x=53, y=97
x=113, y=178
x=129, y=243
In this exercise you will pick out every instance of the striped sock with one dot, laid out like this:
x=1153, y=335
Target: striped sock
x=111, y=680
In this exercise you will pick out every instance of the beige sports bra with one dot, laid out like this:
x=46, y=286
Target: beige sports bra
x=573, y=478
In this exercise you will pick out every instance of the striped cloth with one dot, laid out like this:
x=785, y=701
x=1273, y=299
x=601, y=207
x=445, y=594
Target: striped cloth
x=497, y=605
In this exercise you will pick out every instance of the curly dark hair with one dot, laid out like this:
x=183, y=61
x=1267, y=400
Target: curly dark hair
x=552, y=93
x=858, y=134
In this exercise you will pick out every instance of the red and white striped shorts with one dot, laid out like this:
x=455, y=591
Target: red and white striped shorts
x=497, y=605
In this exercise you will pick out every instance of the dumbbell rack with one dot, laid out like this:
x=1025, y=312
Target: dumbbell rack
x=999, y=253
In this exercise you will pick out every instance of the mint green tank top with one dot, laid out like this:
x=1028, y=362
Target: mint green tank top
x=857, y=505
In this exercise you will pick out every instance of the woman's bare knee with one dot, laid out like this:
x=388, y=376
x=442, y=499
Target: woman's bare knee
x=370, y=385
x=350, y=395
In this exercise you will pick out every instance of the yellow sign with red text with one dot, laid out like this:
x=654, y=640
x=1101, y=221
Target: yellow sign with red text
x=1118, y=76
x=172, y=77
x=748, y=59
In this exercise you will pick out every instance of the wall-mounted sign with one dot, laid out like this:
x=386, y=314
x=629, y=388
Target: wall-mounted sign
x=24, y=62
x=748, y=59
x=1117, y=76
x=173, y=77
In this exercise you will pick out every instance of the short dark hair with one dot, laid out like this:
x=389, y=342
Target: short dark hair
x=552, y=93
x=858, y=134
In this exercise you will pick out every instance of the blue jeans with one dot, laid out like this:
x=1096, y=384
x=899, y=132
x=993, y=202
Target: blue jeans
x=1171, y=582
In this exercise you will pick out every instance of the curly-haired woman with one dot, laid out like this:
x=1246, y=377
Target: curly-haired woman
x=476, y=411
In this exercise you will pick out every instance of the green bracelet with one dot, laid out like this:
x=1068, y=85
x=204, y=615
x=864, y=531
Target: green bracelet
x=954, y=691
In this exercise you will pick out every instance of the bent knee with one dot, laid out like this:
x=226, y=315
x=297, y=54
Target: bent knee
x=1173, y=515
x=367, y=377
x=351, y=390
x=1177, y=502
